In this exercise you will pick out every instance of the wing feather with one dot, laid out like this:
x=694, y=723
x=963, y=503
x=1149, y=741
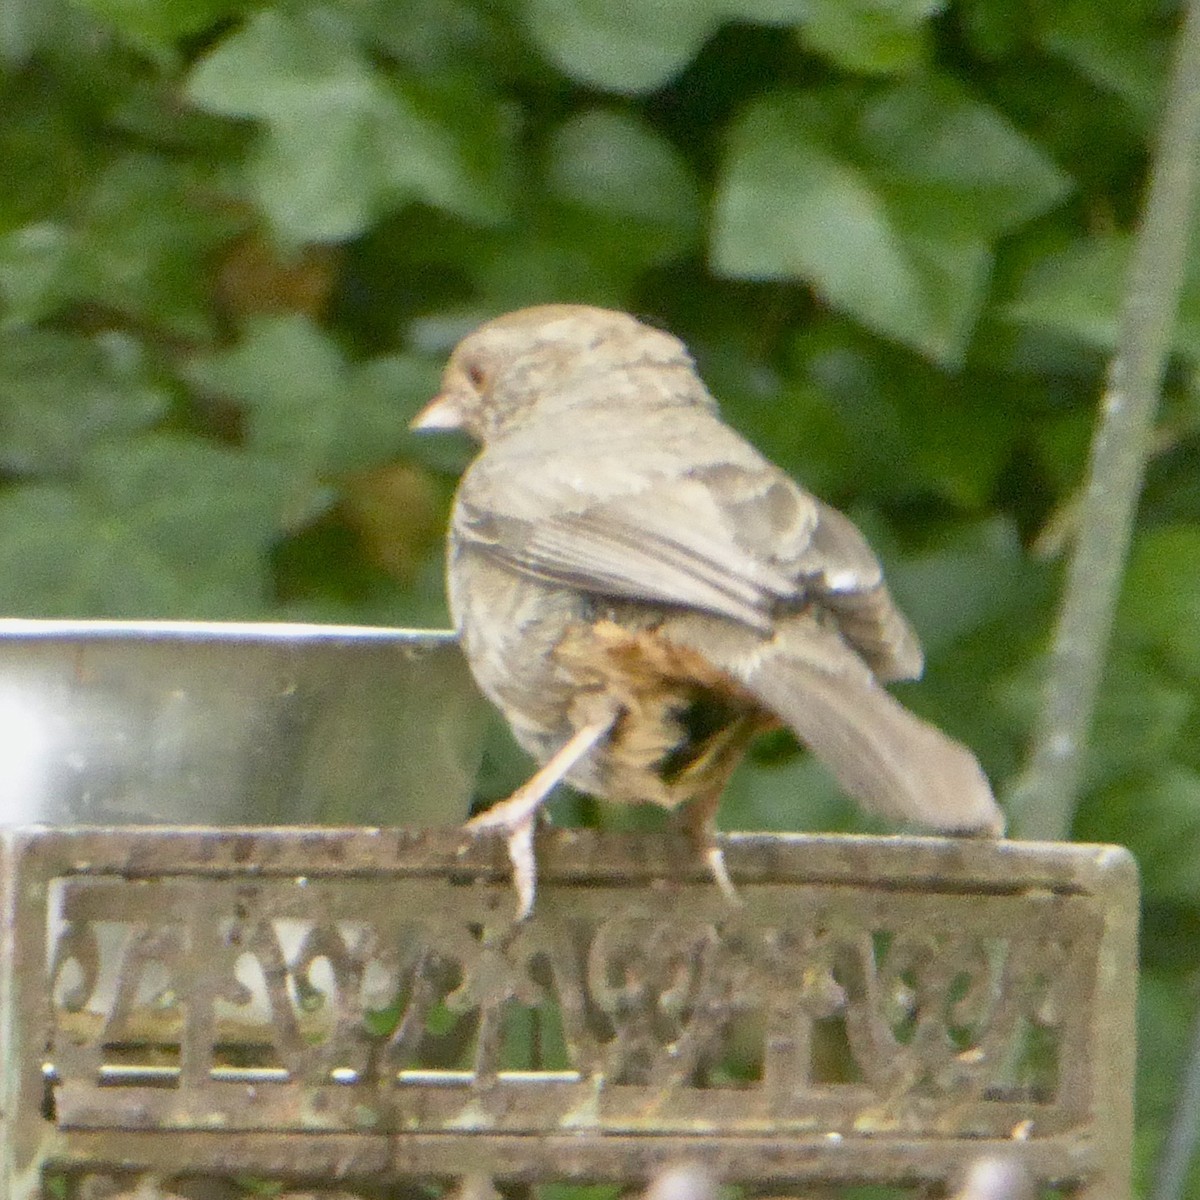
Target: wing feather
x=612, y=552
x=739, y=540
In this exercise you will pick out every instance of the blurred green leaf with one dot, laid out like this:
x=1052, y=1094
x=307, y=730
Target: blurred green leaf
x=611, y=164
x=59, y=558
x=139, y=248
x=1061, y=441
x=341, y=143
x=916, y=134
x=1157, y=815
x=1166, y=1011
x=1126, y=53
x=26, y=25
x=144, y=247
x=306, y=406
x=1077, y=293
x=789, y=208
x=291, y=379
x=623, y=201
x=566, y=256
x=44, y=146
x=1141, y=716
x=795, y=795
x=200, y=506
x=161, y=21
x=993, y=29
x=638, y=45
x=972, y=578
x=61, y=393
x=1160, y=600
x=907, y=425
x=158, y=527
x=869, y=197
x=872, y=37
x=621, y=45
x=37, y=272
x=437, y=37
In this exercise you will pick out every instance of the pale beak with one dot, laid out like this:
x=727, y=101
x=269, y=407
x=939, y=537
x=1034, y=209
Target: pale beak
x=442, y=412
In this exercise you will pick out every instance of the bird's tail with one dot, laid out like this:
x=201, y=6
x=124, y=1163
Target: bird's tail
x=894, y=763
x=884, y=756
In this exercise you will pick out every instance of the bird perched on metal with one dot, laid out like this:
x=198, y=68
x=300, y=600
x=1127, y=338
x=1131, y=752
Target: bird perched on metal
x=640, y=592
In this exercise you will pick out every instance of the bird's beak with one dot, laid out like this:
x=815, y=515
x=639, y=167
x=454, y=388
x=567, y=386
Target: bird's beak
x=444, y=411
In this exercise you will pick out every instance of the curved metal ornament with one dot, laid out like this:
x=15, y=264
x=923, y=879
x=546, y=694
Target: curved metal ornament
x=342, y=1008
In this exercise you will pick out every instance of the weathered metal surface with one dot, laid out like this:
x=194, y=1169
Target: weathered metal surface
x=124, y=722
x=348, y=1010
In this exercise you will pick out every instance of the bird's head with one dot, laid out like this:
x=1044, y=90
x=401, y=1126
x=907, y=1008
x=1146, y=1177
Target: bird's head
x=538, y=356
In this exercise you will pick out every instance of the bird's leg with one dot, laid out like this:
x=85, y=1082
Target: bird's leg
x=698, y=820
x=515, y=816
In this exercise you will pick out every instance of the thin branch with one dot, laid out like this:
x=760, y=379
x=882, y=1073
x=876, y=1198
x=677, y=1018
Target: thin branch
x=1179, y=1146
x=1043, y=800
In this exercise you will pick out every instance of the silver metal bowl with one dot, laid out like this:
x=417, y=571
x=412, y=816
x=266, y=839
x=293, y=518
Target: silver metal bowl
x=116, y=722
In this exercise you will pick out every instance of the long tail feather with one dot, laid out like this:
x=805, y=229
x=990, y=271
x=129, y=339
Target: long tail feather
x=890, y=760
x=887, y=758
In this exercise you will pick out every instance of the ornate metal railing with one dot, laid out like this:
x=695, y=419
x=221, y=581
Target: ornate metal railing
x=203, y=1013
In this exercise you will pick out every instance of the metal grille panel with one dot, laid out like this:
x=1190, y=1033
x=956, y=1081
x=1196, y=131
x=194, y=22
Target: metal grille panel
x=339, y=1012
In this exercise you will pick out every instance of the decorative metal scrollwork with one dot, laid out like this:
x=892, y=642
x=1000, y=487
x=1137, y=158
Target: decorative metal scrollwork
x=353, y=1015
x=604, y=1013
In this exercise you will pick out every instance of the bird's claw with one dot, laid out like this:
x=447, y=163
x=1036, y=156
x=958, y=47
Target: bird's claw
x=714, y=857
x=518, y=839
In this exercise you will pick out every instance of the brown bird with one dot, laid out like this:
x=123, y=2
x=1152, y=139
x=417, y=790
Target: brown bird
x=640, y=592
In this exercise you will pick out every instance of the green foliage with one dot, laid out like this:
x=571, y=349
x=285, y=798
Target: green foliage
x=1161, y=606
x=159, y=523
x=1075, y=291
x=158, y=23
x=868, y=37
x=615, y=167
x=237, y=238
x=140, y=246
x=340, y=143
x=304, y=404
x=62, y=393
x=638, y=45
x=866, y=194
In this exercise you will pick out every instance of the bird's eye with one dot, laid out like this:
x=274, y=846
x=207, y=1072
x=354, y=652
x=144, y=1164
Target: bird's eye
x=477, y=376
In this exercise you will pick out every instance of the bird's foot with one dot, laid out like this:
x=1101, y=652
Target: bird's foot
x=519, y=841
x=714, y=858
x=697, y=822
x=517, y=825
x=517, y=816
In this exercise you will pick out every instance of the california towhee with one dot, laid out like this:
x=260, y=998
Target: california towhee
x=640, y=592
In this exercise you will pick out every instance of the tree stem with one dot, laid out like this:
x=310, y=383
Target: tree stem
x=1183, y=1133
x=1042, y=803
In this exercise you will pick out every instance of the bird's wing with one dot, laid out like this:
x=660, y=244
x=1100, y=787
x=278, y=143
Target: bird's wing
x=735, y=540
